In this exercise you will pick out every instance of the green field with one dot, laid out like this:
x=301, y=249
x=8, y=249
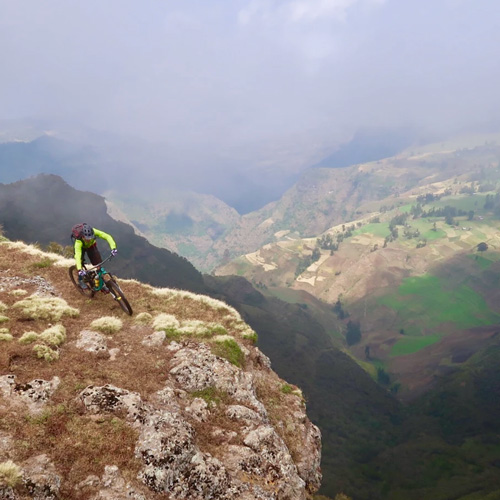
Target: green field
x=410, y=345
x=377, y=229
x=424, y=302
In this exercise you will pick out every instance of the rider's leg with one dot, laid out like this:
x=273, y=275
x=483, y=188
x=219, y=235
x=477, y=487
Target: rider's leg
x=95, y=258
x=82, y=283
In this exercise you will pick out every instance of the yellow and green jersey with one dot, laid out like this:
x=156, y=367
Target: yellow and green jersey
x=83, y=245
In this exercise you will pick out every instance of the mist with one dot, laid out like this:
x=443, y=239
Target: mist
x=220, y=95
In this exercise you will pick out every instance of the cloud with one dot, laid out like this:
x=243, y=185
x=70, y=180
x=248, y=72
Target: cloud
x=300, y=11
x=248, y=83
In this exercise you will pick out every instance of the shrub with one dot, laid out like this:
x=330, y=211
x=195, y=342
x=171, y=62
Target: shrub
x=143, y=318
x=3, y=319
x=45, y=352
x=5, y=337
x=10, y=474
x=55, y=335
x=107, y=324
x=18, y=292
x=48, y=308
x=3, y=307
x=226, y=347
x=28, y=337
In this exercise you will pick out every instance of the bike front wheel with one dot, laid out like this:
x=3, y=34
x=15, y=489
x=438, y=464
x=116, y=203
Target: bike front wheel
x=73, y=274
x=119, y=296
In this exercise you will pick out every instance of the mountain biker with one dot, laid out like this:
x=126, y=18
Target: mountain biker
x=85, y=243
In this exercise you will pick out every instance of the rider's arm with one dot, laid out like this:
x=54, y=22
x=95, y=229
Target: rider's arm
x=107, y=237
x=78, y=254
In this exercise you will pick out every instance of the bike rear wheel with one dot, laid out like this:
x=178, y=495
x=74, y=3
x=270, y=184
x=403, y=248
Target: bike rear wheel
x=119, y=296
x=73, y=274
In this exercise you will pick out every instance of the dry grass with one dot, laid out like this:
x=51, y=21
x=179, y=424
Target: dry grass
x=143, y=318
x=107, y=324
x=54, y=335
x=45, y=352
x=46, y=308
x=10, y=474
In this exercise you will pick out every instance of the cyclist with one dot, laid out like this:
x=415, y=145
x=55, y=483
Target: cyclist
x=85, y=243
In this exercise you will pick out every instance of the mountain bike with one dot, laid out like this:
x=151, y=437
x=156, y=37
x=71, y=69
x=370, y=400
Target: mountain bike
x=98, y=279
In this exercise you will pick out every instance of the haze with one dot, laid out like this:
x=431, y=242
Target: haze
x=225, y=88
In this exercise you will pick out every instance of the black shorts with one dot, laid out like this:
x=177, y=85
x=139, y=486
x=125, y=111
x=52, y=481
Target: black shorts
x=93, y=254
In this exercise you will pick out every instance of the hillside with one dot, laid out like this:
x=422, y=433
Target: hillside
x=174, y=401
x=361, y=422
x=286, y=331
x=408, y=271
x=209, y=233
x=185, y=222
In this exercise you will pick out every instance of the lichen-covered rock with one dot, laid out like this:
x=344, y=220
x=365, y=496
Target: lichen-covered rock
x=154, y=340
x=40, y=478
x=34, y=394
x=92, y=342
x=111, y=486
x=198, y=369
x=255, y=462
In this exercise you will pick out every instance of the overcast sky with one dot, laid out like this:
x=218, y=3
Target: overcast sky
x=232, y=75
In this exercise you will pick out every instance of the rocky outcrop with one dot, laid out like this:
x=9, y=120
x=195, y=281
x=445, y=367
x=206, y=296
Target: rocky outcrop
x=251, y=461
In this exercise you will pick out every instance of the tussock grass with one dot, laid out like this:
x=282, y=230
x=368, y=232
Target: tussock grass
x=209, y=302
x=45, y=352
x=166, y=322
x=5, y=336
x=28, y=337
x=143, y=318
x=3, y=319
x=36, y=307
x=18, y=292
x=107, y=324
x=55, y=335
x=10, y=474
x=43, y=263
x=3, y=307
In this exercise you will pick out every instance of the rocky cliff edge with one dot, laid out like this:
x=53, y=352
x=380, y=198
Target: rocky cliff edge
x=174, y=402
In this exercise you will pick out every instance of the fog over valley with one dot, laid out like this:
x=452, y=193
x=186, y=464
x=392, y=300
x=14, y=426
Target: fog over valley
x=236, y=99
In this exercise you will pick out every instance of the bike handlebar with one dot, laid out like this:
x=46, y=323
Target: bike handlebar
x=100, y=264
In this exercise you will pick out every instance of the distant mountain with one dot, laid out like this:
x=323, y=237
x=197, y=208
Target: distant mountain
x=371, y=145
x=185, y=222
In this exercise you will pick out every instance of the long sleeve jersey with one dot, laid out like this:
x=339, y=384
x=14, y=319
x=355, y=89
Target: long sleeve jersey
x=82, y=245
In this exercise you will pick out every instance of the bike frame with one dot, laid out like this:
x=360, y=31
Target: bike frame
x=95, y=275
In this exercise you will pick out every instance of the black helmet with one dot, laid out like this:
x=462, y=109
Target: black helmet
x=87, y=233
